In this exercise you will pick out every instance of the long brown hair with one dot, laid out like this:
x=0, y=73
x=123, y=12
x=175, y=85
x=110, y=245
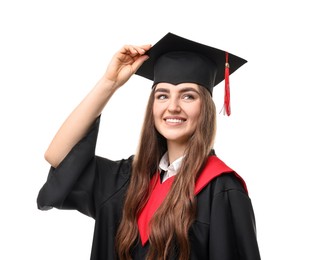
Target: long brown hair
x=172, y=220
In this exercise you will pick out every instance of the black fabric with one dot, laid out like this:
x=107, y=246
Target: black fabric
x=175, y=72
x=181, y=66
x=224, y=228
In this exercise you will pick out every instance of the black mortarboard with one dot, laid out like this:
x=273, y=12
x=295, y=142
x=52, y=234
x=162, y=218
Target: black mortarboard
x=175, y=60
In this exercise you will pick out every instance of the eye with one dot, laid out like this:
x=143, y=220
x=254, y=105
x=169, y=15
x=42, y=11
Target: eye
x=161, y=96
x=188, y=97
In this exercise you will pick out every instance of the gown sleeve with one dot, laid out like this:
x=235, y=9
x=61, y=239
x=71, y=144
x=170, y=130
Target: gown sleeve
x=233, y=230
x=70, y=185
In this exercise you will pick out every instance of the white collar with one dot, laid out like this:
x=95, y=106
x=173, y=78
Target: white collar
x=169, y=169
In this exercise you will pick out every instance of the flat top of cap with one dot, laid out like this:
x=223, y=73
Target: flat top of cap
x=171, y=42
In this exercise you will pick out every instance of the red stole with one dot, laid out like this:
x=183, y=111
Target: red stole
x=213, y=168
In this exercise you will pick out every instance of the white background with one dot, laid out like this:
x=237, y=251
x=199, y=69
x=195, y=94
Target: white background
x=53, y=52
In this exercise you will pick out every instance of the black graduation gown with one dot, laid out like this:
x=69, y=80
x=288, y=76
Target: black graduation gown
x=224, y=228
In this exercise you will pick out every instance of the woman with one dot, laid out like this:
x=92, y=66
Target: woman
x=175, y=199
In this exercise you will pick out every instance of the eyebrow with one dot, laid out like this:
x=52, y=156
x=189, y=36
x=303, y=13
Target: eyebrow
x=186, y=89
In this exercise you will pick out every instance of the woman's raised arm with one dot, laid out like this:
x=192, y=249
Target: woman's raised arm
x=122, y=66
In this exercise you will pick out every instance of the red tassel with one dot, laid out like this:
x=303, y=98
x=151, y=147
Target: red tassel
x=227, y=90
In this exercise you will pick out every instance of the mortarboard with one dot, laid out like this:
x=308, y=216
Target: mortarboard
x=175, y=59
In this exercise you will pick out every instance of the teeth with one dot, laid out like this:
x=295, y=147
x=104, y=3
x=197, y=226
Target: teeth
x=174, y=120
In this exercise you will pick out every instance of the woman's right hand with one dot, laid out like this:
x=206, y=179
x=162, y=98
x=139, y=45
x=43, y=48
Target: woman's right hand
x=125, y=63
x=122, y=66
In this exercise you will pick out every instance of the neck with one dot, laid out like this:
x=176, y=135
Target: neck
x=175, y=150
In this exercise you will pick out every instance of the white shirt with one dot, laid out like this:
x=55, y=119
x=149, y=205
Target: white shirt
x=169, y=169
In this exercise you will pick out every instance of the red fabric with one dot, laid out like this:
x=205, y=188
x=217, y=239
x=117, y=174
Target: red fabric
x=158, y=195
x=214, y=167
x=227, y=89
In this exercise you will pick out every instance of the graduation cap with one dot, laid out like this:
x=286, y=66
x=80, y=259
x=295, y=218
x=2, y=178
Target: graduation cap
x=175, y=60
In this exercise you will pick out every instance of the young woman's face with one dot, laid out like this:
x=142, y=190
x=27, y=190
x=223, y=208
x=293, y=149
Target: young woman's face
x=176, y=110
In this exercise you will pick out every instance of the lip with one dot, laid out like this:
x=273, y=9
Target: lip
x=174, y=120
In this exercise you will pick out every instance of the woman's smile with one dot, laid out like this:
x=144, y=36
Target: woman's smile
x=174, y=120
x=176, y=110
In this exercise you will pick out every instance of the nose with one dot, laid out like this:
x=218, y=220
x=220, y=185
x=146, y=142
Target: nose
x=174, y=106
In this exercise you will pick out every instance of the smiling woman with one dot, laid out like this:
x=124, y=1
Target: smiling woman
x=174, y=199
x=176, y=110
